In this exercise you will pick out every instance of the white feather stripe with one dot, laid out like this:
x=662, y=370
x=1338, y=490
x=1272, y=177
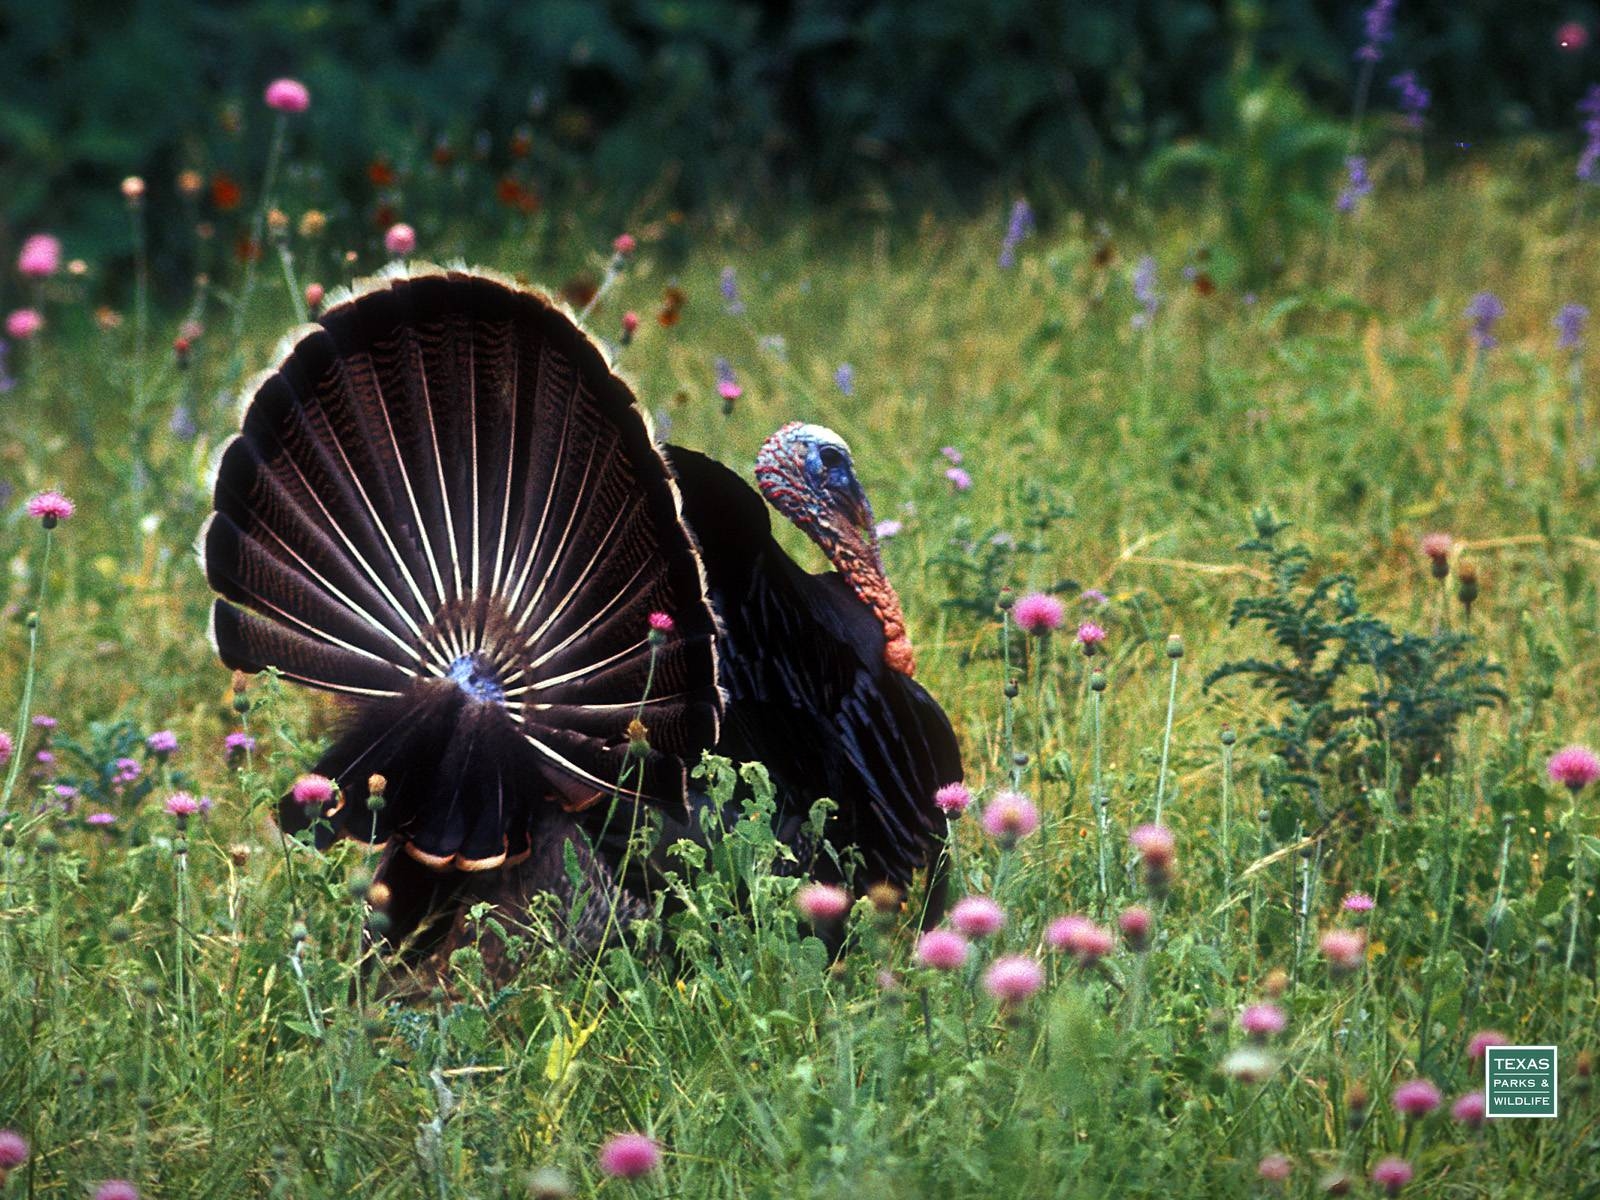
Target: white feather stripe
x=595, y=619
x=263, y=606
x=444, y=487
x=579, y=672
x=549, y=497
x=570, y=767
x=416, y=511
x=521, y=620
x=625, y=511
x=495, y=579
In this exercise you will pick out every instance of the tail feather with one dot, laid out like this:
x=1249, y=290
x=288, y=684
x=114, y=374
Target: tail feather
x=444, y=505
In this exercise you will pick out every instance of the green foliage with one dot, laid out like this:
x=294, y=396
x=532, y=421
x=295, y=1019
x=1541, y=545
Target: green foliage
x=1361, y=702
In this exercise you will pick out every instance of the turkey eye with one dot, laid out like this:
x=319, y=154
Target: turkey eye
x=832, y=457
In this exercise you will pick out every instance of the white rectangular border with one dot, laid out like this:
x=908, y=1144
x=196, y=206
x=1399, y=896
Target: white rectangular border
x=1555, y=1067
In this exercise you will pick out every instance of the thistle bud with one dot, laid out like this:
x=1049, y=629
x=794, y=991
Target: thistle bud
x=1008, y=599
x=638, y=738
x=1174, y=646
x=1229, y=737
x=1097, y=680
x=1467, y=584
x=1011, y=689
x=377, y=786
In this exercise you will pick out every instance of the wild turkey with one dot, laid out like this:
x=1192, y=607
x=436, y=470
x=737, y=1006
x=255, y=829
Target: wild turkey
x=444, y=507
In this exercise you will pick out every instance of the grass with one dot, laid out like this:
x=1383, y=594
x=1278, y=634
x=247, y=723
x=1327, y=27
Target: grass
x=182, y=1011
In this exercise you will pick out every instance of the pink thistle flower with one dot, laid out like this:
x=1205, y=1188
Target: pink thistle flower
x=24, y=323
x=101, y=819
x=1156, y=846
x=314, y=295
x=66, y=792
x=1469, y=1110
x=1090, y=636
x=1275, y=1168
x=951, y=455
x=1574, y=767
x=959, y=479
x=1437, y=547
x=312, y=790
x=45, y=722
x=7, y=747
x=1010, y=817
x=50, y=508
x=400, y=239
x=40, y=257
x=1359, y=902
x=1416, y=1098
x=888, y=528
x=161, y=743
x=1480, y=1042
x=977, y=916
x=116, y=1189
x=183, y=804
x=629, y=1155
x=1572, y=36
x=953, y=799
x=1392, y=1174
x=1135, y=923
x=125, y=771
x=13, y=1150
x=1039, y=613
x=660, y=622
x=1345, y=949
x=287, y=96
x=1263, y=1021
x=630, y=323
x=943, y=950
x=624, y=243
x=1081, y=938
x=237, y=744
x=822, y=903
x=1013, y=978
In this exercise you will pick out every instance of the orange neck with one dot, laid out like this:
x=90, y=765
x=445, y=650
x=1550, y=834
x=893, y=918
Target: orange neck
x=856, y=558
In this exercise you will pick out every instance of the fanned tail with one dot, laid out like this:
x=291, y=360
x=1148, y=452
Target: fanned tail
x=445, y=507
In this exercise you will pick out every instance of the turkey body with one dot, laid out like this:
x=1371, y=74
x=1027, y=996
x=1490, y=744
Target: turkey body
x=445, y=508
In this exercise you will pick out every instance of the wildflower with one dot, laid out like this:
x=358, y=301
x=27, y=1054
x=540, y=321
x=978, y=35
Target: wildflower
x=1572, y=36
x=1080, y=937
x=400, y=239
x=1156, y=846
x=1478, y=1045
x=1377, y=24
x=728, y=386
x=1574, y=767
x=1436, y=547
x=1090, y=637
x=943, y=950
x=1412, y=97
x=1094, y=596
x=1469, y=1110
x=662, y=624
x=287, y=96
x=959, y=479
x=1013, y=978
x=314, y=294
x=728, y=284
x=1135, y=923
x=1345, y=949
x=40, y=256
x=1392, y=1174
x=630, y=326
x=236, y=746
x=312, y=790
x=977, y=916
x=125, y=771
x=1039, y=613
x=951, y=455
x=45, y=722
x=844, y=378
x=182, y=804
x=116, y=1189
x=822, y=902
x=1589, y=159
x=161, y=743
x=1250, y=1064
x=1415, y=1098
x=624, y=244
x=1144, y=292
x=50, y=508
x=101, y=819
x=1018, y=227
x=1467, y=584
x=313, y=223
x=1275, y=1168
x=1010, y=817
x=888, y=528
x=953, y=799
x=190, y=183
x=1359, y=902
x=13, y=1150
x=1570, y=322
x=629, y=1155
x=7, y=747
x=23, y=323
x=1263, y=1021
x=133, y=191
x=1357, y=184
x=1484, y=310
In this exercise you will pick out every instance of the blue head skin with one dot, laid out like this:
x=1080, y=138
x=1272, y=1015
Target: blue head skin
x=806, y=473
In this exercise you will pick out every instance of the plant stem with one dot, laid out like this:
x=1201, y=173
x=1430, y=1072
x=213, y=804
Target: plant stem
x=1166, y=738
x=27, y=681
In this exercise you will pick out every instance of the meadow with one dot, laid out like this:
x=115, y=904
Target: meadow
x=1346, y=730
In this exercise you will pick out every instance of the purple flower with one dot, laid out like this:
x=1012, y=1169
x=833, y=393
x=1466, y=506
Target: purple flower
x=1574, y=767
x=1356, y=185
x=729, y=285
x=1589, y=160
x=101, y=818
x=844, y=378
x=163, y=742
x=125, y=771
x=1416, y=1098
x=951, y=455
x=1094, y=596
x=1019, y=226
x=728, y=385
x=1570, y=322
x=959, y=479
x=1484, y=310
x=888, y=528
x=1412, y=97
x=1144, y=292
x=1377, y=24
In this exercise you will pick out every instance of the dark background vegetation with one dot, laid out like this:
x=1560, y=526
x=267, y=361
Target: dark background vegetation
x=692, y=102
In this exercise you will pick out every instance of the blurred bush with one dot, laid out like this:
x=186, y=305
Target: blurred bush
x=686, y=102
